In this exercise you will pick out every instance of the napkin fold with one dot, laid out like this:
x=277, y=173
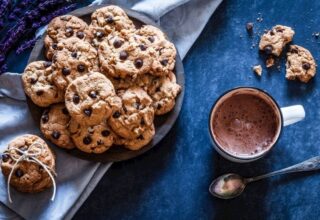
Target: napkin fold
x=182, y=20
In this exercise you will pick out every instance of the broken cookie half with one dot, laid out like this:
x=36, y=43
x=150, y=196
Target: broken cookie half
x=300, y=64
x=273, y=41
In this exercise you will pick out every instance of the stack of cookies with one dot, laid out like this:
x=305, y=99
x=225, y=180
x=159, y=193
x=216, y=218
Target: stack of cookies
x=105, y=82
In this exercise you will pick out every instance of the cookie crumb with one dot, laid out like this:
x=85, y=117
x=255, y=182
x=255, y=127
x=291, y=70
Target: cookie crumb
x=257, y=69
x=270, y=62
x=316, y=34
x=249, y=27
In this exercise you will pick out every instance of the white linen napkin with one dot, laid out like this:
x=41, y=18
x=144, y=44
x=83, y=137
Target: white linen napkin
x=182, y=20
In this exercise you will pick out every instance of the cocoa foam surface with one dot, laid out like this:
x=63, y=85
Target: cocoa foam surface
x=245, y=124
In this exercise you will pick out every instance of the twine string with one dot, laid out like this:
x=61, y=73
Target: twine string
x=30, y=155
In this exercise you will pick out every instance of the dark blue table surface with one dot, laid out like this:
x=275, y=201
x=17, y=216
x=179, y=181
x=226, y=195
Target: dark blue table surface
x=171, y=181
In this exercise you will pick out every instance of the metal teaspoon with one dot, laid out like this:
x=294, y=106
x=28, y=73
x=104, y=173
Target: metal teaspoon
x=231, y=185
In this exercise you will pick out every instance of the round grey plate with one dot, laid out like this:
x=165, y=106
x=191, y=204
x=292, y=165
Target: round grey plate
x=163, y=123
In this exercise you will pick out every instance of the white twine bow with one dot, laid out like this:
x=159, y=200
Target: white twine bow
x=30, y=155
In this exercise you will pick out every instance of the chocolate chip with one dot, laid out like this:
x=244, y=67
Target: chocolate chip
x=105, y=133
x=46, y=64
x=164, y=62
x=54, y=46
x=39, y=92
x=140, y=137
x=142, y=122
x=159, y=106
x=55, y=134
x=69, y=32
x=81, y=68
x=280, y=30
x=45, y=118
x=87, y=112
x=271, y=33
x=4, y=157
x=151, y=39
x=123, y=55
x=74, y=54
x=293, y=50
x=249, y=27
x=76, y=99
x=117, y=43
x=99, y=34
x=142, y=47
x=109, y=20
x=158, y=89
x=100, y=142
x=65, y=111
x=80, y=34
x=268, y=49
x=87, y=140
x=306, y=66
x=33, y=80
x=65, y=71
x=138, y=63
x=117, y=114
x=93, y=94
x=19, y=173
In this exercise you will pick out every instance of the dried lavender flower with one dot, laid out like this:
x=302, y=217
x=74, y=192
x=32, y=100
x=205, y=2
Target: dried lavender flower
x=26, y=45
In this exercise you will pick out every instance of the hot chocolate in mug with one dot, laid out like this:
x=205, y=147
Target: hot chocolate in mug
x=245, y=123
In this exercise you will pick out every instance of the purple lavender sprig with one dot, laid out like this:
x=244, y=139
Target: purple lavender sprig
x=46, y=19
x=28, y=24
x=5, y=7
x=26, y=45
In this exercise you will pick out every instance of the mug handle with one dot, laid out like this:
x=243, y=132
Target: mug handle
x=292, y=114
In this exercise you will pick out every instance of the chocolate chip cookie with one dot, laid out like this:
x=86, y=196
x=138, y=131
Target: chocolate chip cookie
x=63, y=27
x=165, y=51
x=38, y=84
x=54, y=126
x=141, y=141
x=273, y=41
x=91, y=98
x=123, y=57
x=73, y=59
x=163, y=92
x=300, y=64
x=136, y=114
x=92, y=139
x=109, y=19
x=28, y=176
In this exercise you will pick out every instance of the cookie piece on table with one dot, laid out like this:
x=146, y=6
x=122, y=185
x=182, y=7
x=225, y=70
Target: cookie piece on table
x=123, y=57
x=300, y=64
x=135, y=116
x=163, y=92
x=54, y=126
x=141, y=141
x=275, y=39
x=109, y=19
x=165, y=51
x=38, y=84
x=91, y=98
x=28, y=176
x=63, y=27
x=92, y=139
x=73, y=59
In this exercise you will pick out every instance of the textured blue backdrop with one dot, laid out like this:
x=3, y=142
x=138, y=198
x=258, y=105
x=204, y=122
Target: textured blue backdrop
x=171, y=181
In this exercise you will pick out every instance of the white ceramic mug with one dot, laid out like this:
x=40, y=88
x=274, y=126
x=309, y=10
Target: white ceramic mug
x=285, y=116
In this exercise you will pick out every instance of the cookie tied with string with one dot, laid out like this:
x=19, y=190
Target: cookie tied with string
x=28, y=164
